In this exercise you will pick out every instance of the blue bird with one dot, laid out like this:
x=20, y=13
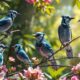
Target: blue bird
x=7, y=21
x=2, y=49
x=44, y=48
x=65, y=34
x=21, y=54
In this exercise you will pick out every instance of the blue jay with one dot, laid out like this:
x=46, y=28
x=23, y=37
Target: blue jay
x=44, y=48
x=65, y=34
x=2, y=48
x=21, y=54
x=7, y=21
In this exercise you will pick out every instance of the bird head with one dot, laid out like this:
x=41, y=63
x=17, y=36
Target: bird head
x=39, y=36
x=2, y=48
x=17, y=47
x=66, y=19
x=13, y=14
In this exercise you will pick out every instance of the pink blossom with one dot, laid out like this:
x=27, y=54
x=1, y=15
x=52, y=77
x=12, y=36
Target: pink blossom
x=3, y=71
x=36, y=74
x=2, y=75
x=64, y=78
x=74, y=78
x=13, y=68
x=76, y=68
x=47, y=1
x=11, y=59
x=30, y=1
x=27, y=73
x=78, y=54
x=3, y=68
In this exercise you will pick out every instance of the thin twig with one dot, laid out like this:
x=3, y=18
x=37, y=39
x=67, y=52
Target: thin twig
x=66, y=58
x=6, y=35
x=14, y=31
x=57, y=51
x=55, y=65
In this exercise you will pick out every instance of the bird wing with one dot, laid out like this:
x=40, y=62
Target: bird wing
x=64, y=34
x=22, y=54
x=60, y=33
x=47, y=47
x=4, y=22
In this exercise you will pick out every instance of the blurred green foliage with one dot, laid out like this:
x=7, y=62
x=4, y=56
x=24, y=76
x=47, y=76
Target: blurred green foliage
x=30, y=22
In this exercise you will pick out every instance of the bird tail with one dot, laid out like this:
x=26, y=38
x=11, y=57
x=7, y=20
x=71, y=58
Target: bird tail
x=53, y=63
x=69, y=51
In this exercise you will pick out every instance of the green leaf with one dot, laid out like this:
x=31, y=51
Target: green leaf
x=65, y=75
x=78, y=4
x=6, y=4
x=74, y=2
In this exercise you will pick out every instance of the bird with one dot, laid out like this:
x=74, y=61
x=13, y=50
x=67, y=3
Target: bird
x=44, y=48
x=7, y=21
x=2, y=49
x=21, y=54
x=65, y=35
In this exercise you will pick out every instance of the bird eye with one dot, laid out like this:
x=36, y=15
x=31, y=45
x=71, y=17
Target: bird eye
x=37, y=35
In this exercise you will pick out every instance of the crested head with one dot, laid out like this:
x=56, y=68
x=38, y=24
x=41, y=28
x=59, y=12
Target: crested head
x=17, y=47
x=39, y=36
x=12, y=14
x=66, y=19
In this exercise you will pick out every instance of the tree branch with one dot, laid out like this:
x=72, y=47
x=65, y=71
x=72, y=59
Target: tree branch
x=6, y=35
x=43, y=61
x=66, y=58
x=55, y=65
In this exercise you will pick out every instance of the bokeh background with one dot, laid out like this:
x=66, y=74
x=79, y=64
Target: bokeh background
x=30, y=22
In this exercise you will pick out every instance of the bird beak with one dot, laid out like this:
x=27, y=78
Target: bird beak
x=72, y=18
x=18, y=13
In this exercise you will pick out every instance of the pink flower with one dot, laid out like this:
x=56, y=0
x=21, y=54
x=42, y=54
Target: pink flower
x=76, y=68
x=11, y=59
x=13, y=68
x=27, y=73
x=30, y=1
x=47, y=1
x=3, y=71
x=64, y=78
x=74, y=78
x=35, y=74
x=78, y=54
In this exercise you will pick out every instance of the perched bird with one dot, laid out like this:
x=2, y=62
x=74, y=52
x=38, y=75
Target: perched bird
x=21, y=54
x=44, y=48
x=65, y=34
x=7, y=21
x=2, y=48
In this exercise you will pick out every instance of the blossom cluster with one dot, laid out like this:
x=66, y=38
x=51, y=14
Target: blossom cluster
x=29, y=74
x=43, y=6
x=34, y=1
x=75, y=73
x=34, y=74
